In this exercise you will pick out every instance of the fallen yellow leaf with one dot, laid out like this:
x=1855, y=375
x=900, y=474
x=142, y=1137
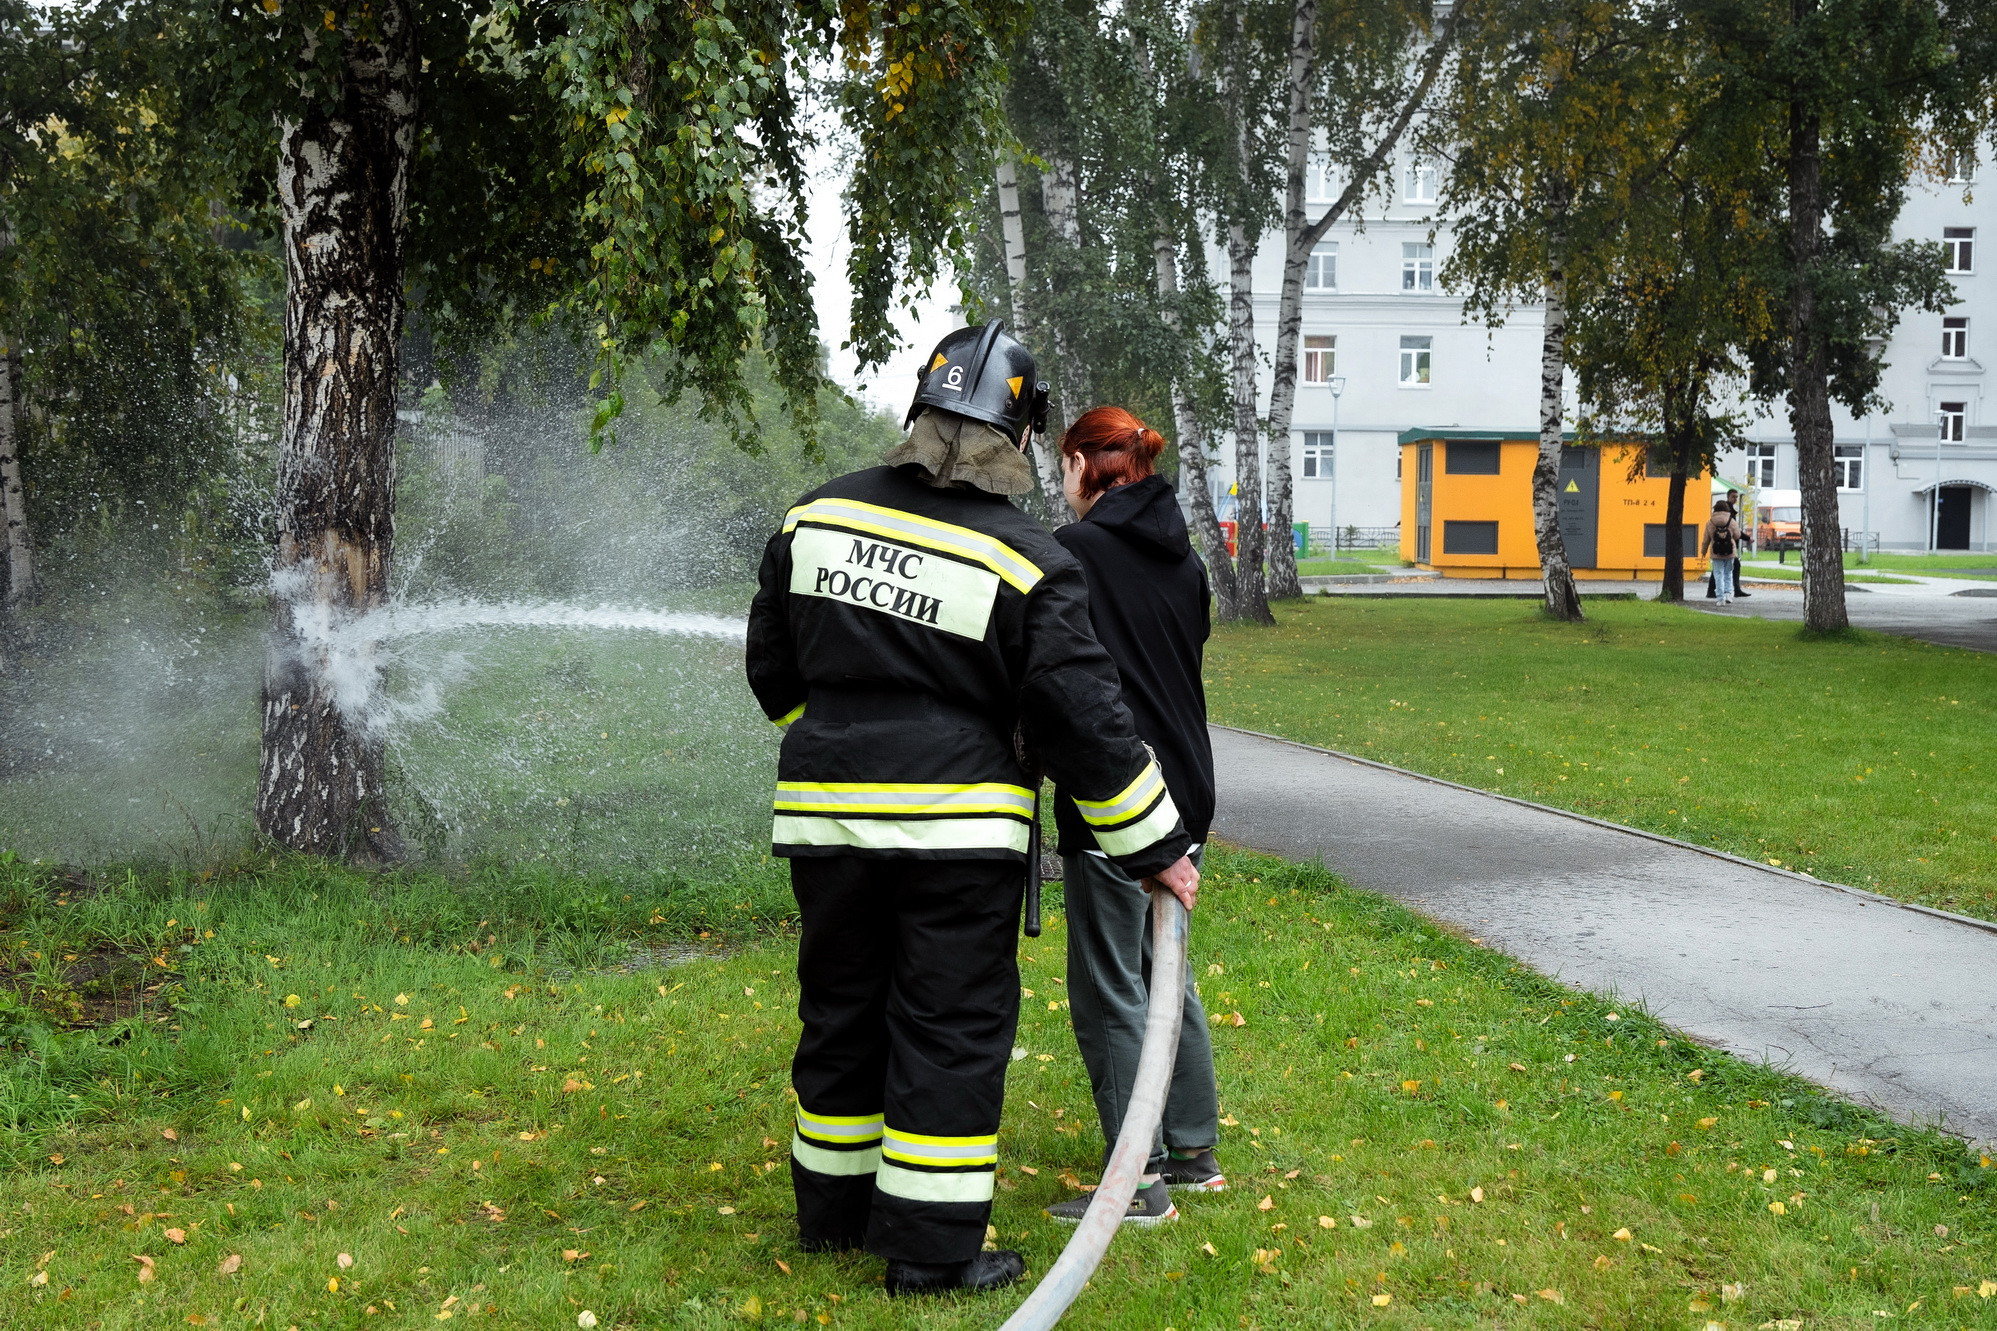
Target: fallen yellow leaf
x=1266, y=1204
x=1326, y=1222
x=344, y=1260
x=1551, y=1296
x=229, y=1265
x=1476, y=1194
x=146, y=1268
x=1622, y=1236
x=1602, y=1263
x=176, y=1236
x=1778, y=1208
x=1382, y=1300
x=169, y=1134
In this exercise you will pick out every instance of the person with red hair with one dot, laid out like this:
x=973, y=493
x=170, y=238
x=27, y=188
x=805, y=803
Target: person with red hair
x=1148, y=604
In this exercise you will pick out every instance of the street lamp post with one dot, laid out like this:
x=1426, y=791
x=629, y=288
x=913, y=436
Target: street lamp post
x=1337, y=386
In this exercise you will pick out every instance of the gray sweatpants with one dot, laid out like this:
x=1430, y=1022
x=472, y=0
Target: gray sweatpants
x=1109, y=979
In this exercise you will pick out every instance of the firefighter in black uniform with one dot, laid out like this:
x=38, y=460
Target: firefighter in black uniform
x=922, y=641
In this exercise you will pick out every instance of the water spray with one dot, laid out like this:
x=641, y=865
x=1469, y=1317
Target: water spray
x=1163, y=1015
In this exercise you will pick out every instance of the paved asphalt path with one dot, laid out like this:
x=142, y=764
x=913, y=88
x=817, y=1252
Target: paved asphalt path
x=1894, y=1007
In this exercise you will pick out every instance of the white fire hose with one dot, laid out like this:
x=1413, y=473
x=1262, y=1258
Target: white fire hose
x=1071, y=1271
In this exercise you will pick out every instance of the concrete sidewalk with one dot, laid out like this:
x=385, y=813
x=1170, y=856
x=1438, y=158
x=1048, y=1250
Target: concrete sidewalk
x=1890, y=1005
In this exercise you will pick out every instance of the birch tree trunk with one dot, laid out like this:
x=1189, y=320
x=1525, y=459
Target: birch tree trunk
x=1060, y=199
x=19, y=583
x=1192, y=446
x=342, y=183
x=1563, y=601
x=1809, y=382
x=1251, y=600
x=1290, y=309
x=1045, y=457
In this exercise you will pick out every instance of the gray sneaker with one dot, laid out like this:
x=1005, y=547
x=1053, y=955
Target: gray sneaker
x=1199, y=1173
x=1151, y=1206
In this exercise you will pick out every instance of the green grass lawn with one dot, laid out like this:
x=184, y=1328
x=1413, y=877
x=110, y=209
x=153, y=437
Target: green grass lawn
x=1864, y=759
x=356, y=1102
x=1320, y=565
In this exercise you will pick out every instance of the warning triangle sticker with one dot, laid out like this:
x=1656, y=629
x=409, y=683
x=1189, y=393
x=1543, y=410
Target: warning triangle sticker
x=1015, y=382
x=941, y=359
x=1573, y=487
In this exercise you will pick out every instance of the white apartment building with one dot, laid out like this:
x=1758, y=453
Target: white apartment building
x=1379, y=328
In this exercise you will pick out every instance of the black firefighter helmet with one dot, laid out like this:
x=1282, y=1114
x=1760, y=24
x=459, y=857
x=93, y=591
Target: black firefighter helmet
x=986, y=374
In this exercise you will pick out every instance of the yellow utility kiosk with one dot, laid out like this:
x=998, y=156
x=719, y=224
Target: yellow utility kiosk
x=1466, y=507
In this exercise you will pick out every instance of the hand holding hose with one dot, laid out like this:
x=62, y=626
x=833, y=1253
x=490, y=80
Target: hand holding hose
x=1182, y=880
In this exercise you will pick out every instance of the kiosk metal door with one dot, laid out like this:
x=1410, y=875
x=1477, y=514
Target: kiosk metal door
x=1424, y=498
x=1580, y=503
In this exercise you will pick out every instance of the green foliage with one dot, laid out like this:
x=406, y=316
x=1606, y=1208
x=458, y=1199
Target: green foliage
x=1895, y=84
x=134, y=303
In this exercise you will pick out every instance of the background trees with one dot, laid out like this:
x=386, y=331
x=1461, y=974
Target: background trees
x=624, y=165
x=1846, y=96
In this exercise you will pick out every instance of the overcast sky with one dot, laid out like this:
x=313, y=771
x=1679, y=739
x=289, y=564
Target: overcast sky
x=893, y=385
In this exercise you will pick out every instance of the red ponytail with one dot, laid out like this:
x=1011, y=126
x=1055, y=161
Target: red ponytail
x=1115, y=448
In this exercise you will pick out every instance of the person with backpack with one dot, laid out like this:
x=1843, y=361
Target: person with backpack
x=1721, y=542
x=1733, y=506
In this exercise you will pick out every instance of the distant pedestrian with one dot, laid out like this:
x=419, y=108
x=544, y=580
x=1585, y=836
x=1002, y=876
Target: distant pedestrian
x=1733, y=504
x=1721, y=543
x=1148, y=599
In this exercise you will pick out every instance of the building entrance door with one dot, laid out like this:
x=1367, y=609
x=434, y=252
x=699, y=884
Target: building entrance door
x=1580, y=496
x=1424, y=498
x=1952, y=522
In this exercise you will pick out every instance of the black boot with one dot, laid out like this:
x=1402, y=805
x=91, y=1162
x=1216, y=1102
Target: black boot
x=986, y=1271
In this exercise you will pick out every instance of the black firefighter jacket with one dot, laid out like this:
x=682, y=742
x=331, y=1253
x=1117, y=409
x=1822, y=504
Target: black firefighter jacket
x=1148, y=602
x=900, y=634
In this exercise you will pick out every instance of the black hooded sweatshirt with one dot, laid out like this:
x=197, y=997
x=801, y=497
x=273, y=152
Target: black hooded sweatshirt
x=1148, y=602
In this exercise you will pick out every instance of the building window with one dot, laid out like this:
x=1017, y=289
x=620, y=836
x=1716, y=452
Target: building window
x=1415, y=361
x=1959, y=248
x=1419, y=181
x=1471, y=457
x=1417, y=267
x=1321, y=270
x=1848, y=465
x=1956, y=169
x=1320, y=179
x=1320, y=357
x=1761, y=465
x=1653, y=540
x=1954, y=418
x=1955, y=339
x=1469, y=538
x=1317, y=455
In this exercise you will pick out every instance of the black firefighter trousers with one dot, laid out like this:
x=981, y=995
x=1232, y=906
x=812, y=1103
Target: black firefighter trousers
x=909, y=975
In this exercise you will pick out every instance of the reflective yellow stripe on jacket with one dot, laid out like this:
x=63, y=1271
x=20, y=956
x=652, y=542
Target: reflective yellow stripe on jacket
x=1014, y=568
x=866, y=797
x=1135, y=817
x=866, y=815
